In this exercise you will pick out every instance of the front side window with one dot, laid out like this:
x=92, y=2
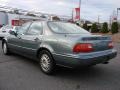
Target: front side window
x=35, y=29
x=22, y=30
x=66, y=28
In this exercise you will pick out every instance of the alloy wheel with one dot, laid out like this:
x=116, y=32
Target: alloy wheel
x=45, y=62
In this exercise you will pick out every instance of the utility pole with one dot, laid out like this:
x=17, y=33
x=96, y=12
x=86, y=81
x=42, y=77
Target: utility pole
x=98, y=19
x=110, y=22
x=80, y=8
x=118, y=13
x=72, y=15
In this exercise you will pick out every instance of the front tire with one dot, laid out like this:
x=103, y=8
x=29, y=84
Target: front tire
x=5, y=49
x=46, y=61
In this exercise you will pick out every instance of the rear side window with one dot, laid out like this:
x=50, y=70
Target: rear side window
x=6, y=27
x=35, y=29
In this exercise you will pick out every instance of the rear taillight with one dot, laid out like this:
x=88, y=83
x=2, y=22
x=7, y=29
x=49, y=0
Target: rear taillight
x=83, y=48
x=110, y=45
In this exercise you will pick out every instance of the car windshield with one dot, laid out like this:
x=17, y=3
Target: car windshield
x=66, y=28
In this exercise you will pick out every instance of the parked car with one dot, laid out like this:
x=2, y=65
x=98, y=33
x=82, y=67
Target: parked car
x=59, y=43
x=4, y=31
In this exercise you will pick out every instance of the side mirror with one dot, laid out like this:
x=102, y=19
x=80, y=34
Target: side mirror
x=13, y=33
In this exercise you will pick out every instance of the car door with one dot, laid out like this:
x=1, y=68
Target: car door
x=16, y=42
x=4, y=31
x=32, y=38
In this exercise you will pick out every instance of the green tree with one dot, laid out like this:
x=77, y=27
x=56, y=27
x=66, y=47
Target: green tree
x=114, y=28
x=94, y=28
x=56, y=18
x=105, y=28
x=30, y=14
x=85, y=26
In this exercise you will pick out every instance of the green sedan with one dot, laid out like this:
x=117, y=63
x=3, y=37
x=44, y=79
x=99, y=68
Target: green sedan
x=59, y=43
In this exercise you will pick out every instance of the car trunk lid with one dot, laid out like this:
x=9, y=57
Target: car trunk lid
x=100, y=43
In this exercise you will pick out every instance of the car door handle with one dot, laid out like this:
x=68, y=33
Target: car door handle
x=36, y=39
x=18, y=37
x=3, y=31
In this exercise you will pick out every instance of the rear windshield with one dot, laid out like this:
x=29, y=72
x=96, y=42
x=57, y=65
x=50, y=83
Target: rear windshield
x=66, y=28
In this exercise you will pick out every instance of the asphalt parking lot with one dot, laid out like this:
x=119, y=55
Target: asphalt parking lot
x=19, y=73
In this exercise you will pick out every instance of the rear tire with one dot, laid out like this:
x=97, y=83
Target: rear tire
x=47, y=63
x=1, y=38
x=5, y=49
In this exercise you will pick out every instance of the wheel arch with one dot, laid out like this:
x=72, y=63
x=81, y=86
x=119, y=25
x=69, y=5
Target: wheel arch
x=43, y=48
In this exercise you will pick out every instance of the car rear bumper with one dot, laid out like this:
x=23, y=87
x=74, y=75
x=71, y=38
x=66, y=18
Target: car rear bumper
x=85, y=59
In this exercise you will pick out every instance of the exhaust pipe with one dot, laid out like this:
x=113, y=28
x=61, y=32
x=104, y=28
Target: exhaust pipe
x=105, y=62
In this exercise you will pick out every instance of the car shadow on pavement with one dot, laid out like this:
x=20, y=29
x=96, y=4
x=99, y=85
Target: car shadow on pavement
x=83, y=72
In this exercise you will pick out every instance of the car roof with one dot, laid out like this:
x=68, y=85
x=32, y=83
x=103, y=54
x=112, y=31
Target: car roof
x=50, y=21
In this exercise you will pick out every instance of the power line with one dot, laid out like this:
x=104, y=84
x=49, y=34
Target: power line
x=6, y=9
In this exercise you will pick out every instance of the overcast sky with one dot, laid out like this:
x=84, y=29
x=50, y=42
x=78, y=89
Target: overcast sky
x=90, y=9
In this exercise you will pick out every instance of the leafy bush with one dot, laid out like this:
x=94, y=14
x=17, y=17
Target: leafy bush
x=114, y=28
x=105, y=28
x=94, y=28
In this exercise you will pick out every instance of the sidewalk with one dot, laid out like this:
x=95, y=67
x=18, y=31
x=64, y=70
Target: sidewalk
x=116, y=37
